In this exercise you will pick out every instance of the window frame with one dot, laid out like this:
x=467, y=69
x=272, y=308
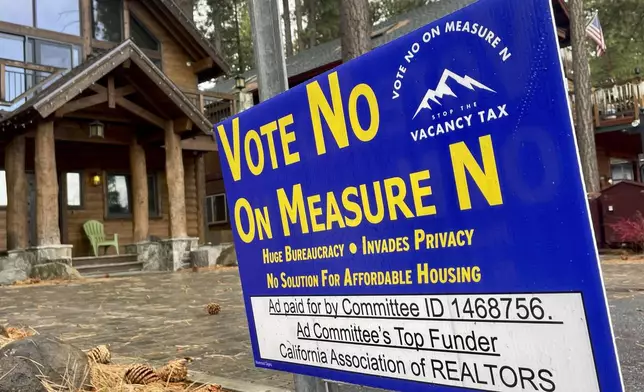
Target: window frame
x=81, y=185
x=128, y=180
x=93, y=23
x=210, y=199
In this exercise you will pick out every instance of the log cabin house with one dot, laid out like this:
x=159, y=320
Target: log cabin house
x=101, y=119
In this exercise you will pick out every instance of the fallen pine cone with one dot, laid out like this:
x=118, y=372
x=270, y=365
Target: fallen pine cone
x=213, y=308
x=174, y=371
x=195, y=269
x=140, y=374
x=214, y=388
x=100, y=354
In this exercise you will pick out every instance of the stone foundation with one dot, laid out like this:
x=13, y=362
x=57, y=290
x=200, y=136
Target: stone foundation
x=149, y=253
x=163, y=255
x=211, y=255
x=176, y=251
x=47, y=254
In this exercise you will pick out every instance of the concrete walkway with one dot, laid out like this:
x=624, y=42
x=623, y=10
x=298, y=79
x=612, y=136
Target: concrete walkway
x=155, y=317
x=161, y=317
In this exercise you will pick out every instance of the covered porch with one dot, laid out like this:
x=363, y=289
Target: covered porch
x=115, y=141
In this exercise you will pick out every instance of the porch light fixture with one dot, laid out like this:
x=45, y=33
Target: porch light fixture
x=96, y=179
x=240, y=82
x=97, y=129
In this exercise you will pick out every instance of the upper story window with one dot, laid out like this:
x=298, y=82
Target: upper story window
x=142, y=36
x=62, y=16
x=108, y=20
x=18, y=12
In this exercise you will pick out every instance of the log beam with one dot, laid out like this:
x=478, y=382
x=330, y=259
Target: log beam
x=17, y=228
x=47, y=229
x=200, y=175
x=140, y=111
x=176, y=181
x=82, y=103
x=140, y=211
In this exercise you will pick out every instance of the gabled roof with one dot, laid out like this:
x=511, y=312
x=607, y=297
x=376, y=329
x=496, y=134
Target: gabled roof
x=187, y=25
x=78, y=79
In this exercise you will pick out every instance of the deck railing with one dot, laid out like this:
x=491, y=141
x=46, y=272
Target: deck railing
x=20, y=80
x=215, y=106
x=617, y=105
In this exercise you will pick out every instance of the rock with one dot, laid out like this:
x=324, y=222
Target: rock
x=19, y=375
x=60, y=362
x=228, y=257
x=54, y=270
x=11, y=276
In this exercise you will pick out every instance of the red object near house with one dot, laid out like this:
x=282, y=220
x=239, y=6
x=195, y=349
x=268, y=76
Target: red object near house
x=620, y=201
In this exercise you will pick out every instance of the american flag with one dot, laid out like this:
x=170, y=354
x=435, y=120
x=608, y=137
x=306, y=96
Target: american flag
x=595, y=32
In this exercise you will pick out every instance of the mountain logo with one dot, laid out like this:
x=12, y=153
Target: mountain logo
x=443, y=89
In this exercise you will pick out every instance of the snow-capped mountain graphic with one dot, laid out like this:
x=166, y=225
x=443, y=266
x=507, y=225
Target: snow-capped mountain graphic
x=443, y=89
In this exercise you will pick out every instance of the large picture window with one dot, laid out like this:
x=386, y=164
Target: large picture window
x=119, y=196
x=62, y=16
x=108, y=20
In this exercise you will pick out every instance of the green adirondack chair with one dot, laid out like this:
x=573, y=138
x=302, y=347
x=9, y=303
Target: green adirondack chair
x=96, y=235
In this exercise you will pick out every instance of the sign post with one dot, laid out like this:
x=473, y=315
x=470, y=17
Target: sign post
x=416, y=218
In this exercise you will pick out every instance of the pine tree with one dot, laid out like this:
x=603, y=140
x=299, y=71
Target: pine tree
x=288, y=39
x=355, y=22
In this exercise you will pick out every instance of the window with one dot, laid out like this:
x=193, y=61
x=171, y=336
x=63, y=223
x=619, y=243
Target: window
x=12, y=47
x=74, y=189
x=108, y=22
x=621, y=170
x=216, y=209
x=18, y=12
x=142, y=36
x=119, y=196
x=62, y=16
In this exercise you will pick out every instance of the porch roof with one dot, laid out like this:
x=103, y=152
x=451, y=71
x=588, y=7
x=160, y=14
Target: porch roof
x=72, y=84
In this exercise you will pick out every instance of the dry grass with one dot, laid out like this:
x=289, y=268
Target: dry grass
x=105, y=378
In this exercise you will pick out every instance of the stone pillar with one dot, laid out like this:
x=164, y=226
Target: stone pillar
x=17, y=228
x=175, y=180
x=47, y=230
x=200, y=175
x=140, y=211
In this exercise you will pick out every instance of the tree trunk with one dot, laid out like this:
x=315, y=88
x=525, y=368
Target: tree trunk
x=240, y=57
x=217, y=22
x=286, y=14
x=298, y=23
x=312, y=23
x=187, y=8
x=581, y=73
x=355, y=28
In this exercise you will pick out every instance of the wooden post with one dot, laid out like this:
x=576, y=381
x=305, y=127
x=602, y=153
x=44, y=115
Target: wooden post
x=126, y=19
x=87, y=29
x=200, y=175
x=2, y=84
x=47, y=230
x=175, y=180
x=17, y=229
x=140, y=211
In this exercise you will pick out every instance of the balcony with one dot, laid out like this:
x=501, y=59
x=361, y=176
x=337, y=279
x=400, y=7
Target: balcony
x=215, y=106
x=617, y=106
x=20, y=80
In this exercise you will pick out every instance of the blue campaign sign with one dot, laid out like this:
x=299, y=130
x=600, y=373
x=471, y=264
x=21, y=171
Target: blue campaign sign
x=416, y=218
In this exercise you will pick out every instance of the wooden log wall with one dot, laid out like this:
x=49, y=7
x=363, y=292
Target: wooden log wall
x=103, y=158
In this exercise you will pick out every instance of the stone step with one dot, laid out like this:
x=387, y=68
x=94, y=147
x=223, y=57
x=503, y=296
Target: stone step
x=123, y=274
x=110, y=268
x=111, y=259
